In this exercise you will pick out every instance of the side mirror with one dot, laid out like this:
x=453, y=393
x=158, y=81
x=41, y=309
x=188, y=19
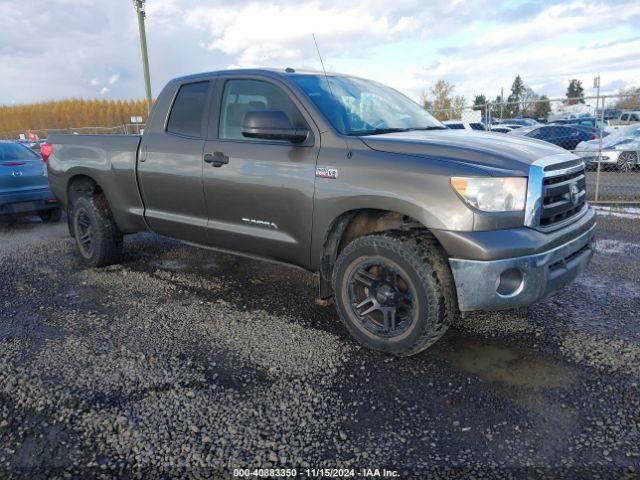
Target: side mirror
x=272, y=125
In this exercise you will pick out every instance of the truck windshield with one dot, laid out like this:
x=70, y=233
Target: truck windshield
x=362, y=107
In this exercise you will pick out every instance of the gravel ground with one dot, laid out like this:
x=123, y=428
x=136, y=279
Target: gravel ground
x=184, y=362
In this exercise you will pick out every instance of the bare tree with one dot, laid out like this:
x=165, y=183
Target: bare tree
x=440, y=102
x=630, y=99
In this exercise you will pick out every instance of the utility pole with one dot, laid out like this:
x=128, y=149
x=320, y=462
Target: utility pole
x=501, y=100
x=139, y=6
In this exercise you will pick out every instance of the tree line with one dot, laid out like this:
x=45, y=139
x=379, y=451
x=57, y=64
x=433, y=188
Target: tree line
x=73, y=112
x=441, y=101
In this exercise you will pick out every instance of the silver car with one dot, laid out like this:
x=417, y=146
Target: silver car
x=620, y=150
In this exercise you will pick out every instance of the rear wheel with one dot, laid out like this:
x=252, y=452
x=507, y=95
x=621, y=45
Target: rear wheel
x=394, y=291
x=50, y=216
x=97, y=237
x=627, y=161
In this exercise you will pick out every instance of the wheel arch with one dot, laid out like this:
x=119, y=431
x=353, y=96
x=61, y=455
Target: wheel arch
x=79, y=185
x=353, y=224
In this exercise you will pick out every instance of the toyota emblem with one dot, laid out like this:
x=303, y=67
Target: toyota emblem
x=574, y=193
x=17, y=173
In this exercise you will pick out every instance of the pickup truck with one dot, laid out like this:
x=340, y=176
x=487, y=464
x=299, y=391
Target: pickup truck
x=406, y=223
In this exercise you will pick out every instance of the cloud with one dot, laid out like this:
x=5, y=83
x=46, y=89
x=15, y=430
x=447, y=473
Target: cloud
x=577, y=16
x=259, y=34
x=406, y=43
x=539, y=68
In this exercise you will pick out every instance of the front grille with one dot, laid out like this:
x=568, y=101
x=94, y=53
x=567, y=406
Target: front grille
x=563, y=196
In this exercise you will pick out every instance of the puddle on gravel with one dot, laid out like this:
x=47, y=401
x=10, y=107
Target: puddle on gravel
x=504, y=364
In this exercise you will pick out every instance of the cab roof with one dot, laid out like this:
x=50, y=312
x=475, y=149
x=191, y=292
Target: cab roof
x=270, y=72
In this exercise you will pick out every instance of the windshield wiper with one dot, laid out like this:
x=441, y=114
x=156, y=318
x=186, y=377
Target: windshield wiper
x=377, y=131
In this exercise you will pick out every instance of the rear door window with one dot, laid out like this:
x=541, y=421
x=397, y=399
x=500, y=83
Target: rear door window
x=188, y=110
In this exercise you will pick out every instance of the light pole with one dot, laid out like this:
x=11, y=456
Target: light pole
x=596, y=84
x=139, y=6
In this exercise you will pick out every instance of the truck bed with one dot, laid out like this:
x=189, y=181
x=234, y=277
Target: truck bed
x=111, y=161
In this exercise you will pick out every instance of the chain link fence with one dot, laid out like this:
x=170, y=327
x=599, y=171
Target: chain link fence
x=43, y=133
x=605, y=137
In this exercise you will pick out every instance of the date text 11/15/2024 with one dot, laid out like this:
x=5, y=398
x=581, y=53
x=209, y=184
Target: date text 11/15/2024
x=316, y=473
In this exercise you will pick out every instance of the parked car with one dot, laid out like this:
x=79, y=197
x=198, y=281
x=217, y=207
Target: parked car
x=584, y=122
x=523, y=122
x=620, y=150
x=591, y=130
x=533, y=117
x=460, y=125
x=500, y=128
x=24, y=189
x=405, y=222
x=565, y=136
x=611, y=114
x=511, y=126
x=626, y=118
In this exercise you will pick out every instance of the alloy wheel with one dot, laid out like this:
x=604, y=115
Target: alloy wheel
x=381, y=297
x=84, y=233
x=627, y=161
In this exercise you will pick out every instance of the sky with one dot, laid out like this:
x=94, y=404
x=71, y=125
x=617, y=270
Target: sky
x=52, y=49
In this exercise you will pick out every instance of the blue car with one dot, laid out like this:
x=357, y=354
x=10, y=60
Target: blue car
x=24, y=187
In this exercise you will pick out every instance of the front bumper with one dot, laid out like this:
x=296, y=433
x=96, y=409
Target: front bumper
x=27, y=201
x=518, y=281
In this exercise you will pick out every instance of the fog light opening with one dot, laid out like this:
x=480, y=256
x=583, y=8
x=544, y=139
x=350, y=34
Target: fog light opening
x=510, y=282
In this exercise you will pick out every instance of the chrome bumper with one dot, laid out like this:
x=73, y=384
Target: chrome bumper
x=518, y=281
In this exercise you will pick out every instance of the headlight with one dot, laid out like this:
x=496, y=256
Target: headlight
x=492, y=194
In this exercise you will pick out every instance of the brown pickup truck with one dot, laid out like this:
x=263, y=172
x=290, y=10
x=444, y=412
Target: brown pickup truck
x=406, y=222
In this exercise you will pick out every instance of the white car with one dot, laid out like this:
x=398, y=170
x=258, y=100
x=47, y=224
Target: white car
x=627, y=118
x=620, y=149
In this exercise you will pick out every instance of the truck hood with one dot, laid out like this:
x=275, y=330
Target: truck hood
x=497, y=153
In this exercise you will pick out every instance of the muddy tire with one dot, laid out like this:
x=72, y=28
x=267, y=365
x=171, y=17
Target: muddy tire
x=97, y=237
x=50, y=216
x=394, y=291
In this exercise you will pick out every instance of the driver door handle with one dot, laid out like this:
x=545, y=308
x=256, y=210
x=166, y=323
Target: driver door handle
x=217, y=159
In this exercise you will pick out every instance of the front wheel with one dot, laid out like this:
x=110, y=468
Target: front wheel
x=97, y=237
x=394, y=291
x=50, y=216
x=627, y=161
